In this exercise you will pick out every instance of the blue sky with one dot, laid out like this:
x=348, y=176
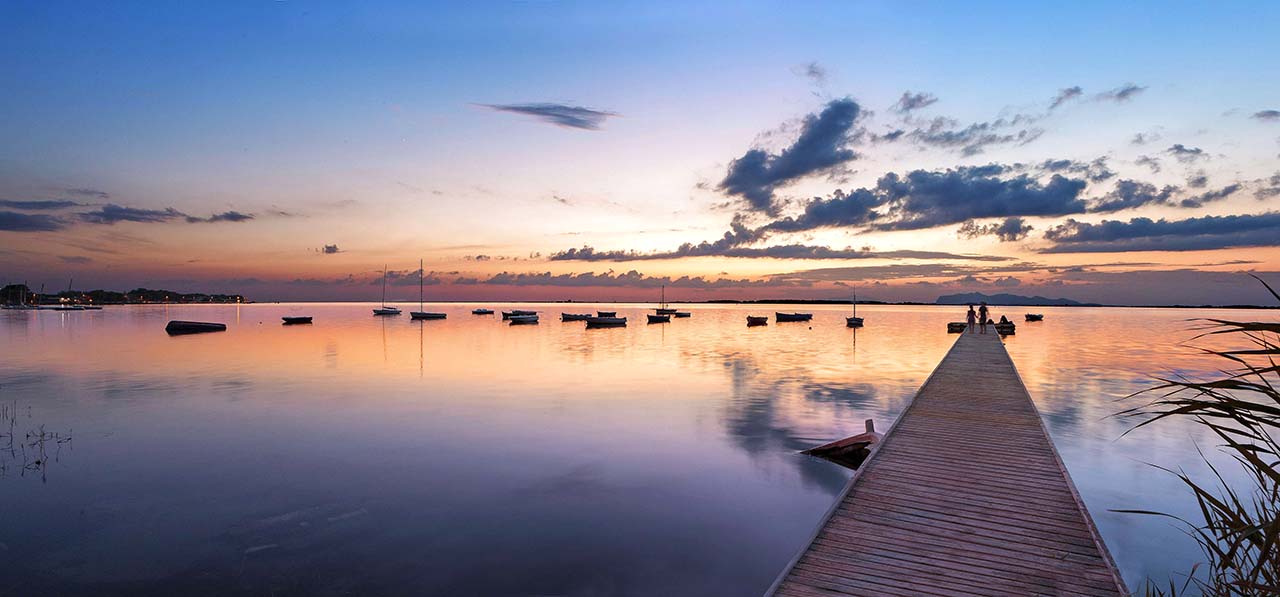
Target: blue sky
x=365, y=126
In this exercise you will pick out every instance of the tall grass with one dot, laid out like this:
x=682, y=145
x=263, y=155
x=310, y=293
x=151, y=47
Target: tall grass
x=1238, y=527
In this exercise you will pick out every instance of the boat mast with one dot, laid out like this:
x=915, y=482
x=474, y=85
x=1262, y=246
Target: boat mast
x=664, y=296
x=384, y=286
x=855, y=303
x=419, y=285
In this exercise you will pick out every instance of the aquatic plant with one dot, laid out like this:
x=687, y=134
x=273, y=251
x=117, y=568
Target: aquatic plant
x=1239, y=527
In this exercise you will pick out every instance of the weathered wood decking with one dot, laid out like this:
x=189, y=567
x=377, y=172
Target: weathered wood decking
x=964, y=496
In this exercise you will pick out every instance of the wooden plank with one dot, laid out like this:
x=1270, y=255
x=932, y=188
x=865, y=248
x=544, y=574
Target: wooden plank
x=964, y=495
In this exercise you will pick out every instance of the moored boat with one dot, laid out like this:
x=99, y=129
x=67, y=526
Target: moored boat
x=384, y=309
x=754, y=320
x=177, y=327
x=482, y=311
x=295, y=320
x=956, y=327
x=575, y=316
x=1035, y=317
x=606, y=322
x=607, y=314
x=660, y=318
x=1005, y=329
x=420, y=314
x=681, y=314
x=781, y=317
x=523, y=319
x=516, y=313
x=853, y=322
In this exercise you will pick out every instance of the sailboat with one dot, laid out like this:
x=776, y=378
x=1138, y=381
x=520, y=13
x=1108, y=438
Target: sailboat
x=384, y=309
x=854, y=321
x=663, y=314
x=663, y=310
x=420, y=314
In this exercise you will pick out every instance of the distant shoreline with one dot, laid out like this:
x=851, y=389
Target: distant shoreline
x=728, y=302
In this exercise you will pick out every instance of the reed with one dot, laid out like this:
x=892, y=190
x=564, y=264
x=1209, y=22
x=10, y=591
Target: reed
x=1238, y=528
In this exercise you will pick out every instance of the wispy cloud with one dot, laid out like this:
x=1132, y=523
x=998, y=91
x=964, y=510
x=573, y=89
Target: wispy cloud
x=1267, y=115
x=112, y=214
x=53, y=205
x=1065, y=95
x=226, y=216
x=12, y=221
x=563, y=115
x=1121, y=94
x=1186, y=154
x=910, y=102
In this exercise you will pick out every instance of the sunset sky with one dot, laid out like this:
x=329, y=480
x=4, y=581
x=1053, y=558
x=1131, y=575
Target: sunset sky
x=288, y=150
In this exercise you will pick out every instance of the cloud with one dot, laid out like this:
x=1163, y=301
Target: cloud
x=226, y=216
x=841, y=209
x=1065, y=94
x=820, y=147
x=1186, y=154
x=86, y=192
x=563, y=115
x=1149, y=162
x=1145, y=234
x=1267, y=115
x=75, y=259
x=1211, y=196
x=814, y=72
x=632, y=278
x=924, y=199
x=112, y=213
x=1011, y=229
x=913, y=101
x=330, y=250
x=794, y=251
x=1129, y=194
x=1006, y=282
x=12, y=221
x=39, y=205
x=1198, y=181
x=972, y=139
x=1144, y=138
x=1120, y=94
x=1096, y=170
x=1270, y=187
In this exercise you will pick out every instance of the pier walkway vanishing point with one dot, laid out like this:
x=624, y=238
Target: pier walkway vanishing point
x=965, y=495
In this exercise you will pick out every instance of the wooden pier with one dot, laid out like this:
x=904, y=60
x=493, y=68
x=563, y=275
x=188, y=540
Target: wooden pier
x=965, y=495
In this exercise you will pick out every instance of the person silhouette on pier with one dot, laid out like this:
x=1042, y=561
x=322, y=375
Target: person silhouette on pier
x=983, y=314
x=970, y=317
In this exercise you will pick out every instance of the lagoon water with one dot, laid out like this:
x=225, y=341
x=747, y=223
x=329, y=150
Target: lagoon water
x=367, y=455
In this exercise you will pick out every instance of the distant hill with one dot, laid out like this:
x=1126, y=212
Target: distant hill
x=965, y=298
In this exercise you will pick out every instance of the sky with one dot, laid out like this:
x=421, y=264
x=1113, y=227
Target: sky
x=1114, y=153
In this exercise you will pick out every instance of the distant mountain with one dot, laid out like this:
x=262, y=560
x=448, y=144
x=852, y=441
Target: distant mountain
x=965, y=298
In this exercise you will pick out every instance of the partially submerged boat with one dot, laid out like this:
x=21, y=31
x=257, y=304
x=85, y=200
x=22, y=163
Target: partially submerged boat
x=177, y=327
x=420, y=314
x=754, y=320
x=523, y=319
x=1035, y=316
x=575, y=316
x=517, y=313
x=296, y=320
x=781, y=317
x=482, y=311
x=606, y=322
x=660, y=318
x=851, y=451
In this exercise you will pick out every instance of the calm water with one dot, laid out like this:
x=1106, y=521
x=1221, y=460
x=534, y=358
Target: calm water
x=382, y=455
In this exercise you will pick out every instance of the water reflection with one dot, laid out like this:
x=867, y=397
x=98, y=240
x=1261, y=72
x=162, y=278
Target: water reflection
x=638, y=460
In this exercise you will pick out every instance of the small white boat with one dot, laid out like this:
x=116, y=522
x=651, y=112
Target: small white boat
x=420, y=314
x=606, y=322
x=575, y=316
x=660, y=318
x=523, y=319
x=384, y=309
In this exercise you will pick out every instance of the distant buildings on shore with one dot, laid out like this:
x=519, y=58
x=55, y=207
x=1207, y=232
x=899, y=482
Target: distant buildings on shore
x=15, y=294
